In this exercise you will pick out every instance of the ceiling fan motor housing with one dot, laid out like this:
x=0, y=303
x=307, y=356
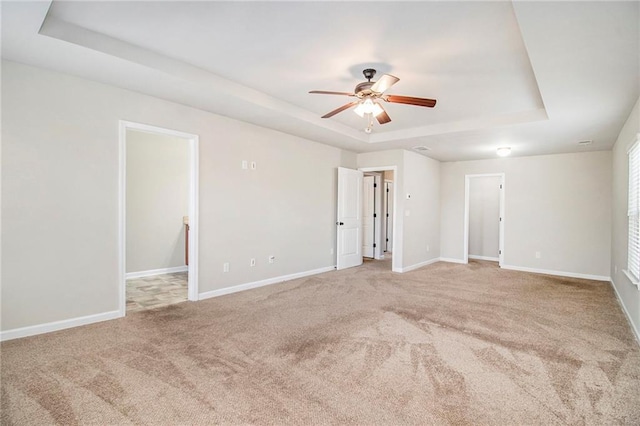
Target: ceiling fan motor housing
x=362, y=87
x=369, y=73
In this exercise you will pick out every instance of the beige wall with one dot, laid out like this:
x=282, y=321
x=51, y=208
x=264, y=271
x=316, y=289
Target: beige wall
x=421, y=177
x=484, y=216
x=157, y=199
x=559, y=205
x=628, y=293
x=60, y=195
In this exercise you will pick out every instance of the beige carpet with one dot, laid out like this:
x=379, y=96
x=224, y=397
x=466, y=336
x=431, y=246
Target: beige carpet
x=445, y=344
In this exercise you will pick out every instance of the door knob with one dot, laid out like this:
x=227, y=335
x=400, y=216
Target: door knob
x=339, y=223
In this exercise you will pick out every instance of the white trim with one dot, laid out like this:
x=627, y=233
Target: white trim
x=262, y=283
x=493, y=259
x=557, y=273
x=502, y=215
x=152, y=272
x=451, y=260
x=379, y=204
x=635, y=330
x=122, y=216
x=192, y=292
x=49, y=327
x=636, y=141
x=632, y=279
x=396, y=260
x=418, y=265
x=194, y=219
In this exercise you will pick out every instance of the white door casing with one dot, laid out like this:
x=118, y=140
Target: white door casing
x=368, y=209
x=377, y=218
x=389, y=215
x=396, y=223
x=192, y=285
x=349, y=218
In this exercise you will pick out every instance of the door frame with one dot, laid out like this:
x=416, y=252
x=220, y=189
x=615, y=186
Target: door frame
x=396, y=257
x=467, y=181
x=192, y=292
x=378, y=253
x=386, y=210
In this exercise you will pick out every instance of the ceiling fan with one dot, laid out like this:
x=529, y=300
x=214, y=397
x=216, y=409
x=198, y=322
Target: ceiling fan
x=369, y=94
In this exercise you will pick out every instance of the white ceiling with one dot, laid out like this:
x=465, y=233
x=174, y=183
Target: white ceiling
x=536, y=76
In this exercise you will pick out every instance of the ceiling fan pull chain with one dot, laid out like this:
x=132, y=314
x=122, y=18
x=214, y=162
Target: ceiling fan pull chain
x=370, y=125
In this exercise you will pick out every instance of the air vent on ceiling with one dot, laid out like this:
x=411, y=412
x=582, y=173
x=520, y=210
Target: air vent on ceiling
x=421, y=148
x=585, y=142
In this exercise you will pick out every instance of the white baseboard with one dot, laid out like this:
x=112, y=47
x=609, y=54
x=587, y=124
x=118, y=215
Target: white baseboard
x=451, y=260
x=634, y=328
x=17, y=333
x=262, y=283
x=417, y=265
x=152, y=272
x=557, y=273
x=493, y=259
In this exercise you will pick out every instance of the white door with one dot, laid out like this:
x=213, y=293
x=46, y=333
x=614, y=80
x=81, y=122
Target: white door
x=389, y=216
x=368, y=209
x=349, y=218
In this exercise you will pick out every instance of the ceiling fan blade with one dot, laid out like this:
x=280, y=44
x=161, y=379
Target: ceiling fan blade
x=324, y=92
x=383, y=117
x=384, y=83
x=430, y=103
x=338, y=110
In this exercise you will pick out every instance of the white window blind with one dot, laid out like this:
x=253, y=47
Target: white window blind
x=633, y=262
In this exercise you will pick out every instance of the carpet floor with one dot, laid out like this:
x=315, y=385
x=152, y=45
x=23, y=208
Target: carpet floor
x=444, y=344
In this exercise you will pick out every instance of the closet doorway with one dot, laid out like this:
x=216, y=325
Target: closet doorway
x=484, y=217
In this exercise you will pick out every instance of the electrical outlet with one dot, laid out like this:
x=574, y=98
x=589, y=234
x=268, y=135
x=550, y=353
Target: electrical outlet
x=225, y=267
x=427, y=247
x=272, y=259
x=331, y=250
x=538, y=256
x=252, y=262
x=245, y=165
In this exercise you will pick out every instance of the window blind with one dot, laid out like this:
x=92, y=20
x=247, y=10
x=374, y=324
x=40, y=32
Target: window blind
x=633, y=261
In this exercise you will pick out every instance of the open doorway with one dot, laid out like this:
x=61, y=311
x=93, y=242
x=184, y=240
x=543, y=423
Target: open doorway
x=378, y=202
x=158, y=217
x=484, y=218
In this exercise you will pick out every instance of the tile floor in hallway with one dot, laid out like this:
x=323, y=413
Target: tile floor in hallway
x=156, y=291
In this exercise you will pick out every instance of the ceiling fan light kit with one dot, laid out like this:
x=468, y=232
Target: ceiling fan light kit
x=368, y=107
x=369, y=94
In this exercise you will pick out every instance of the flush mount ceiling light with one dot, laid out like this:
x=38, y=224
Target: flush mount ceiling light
x=585, y=142
x=504, y=151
